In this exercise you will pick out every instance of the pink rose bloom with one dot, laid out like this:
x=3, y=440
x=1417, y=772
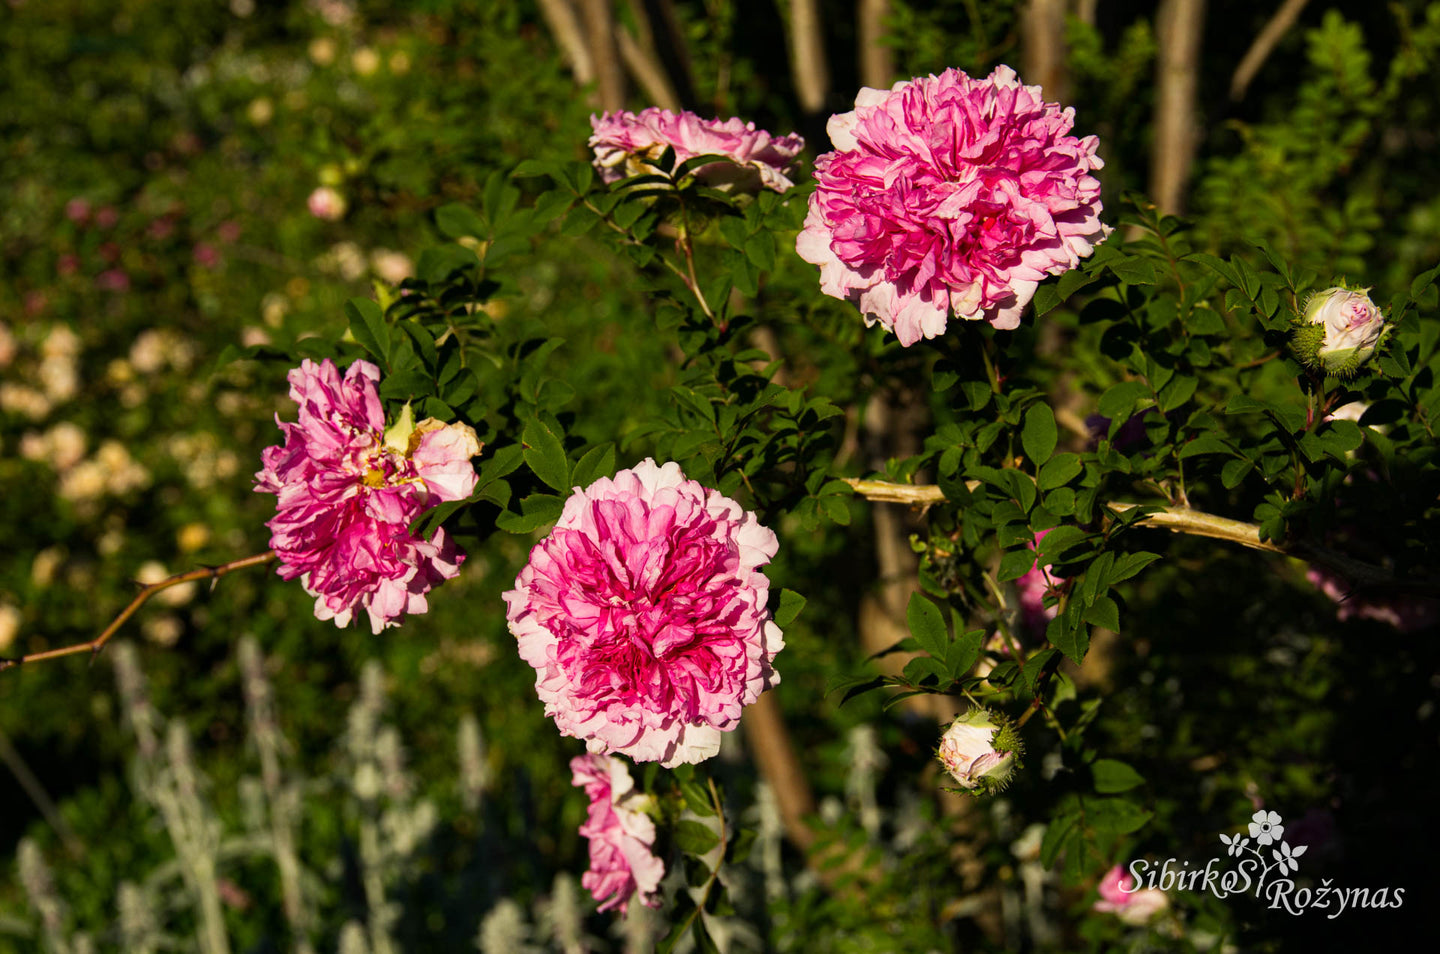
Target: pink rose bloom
x=621, y=835
x=1030, y=594
x=107, y=217
x=643, y=613
x=113, y=280
x=950, y=196
x=1118, y=895
x=348, y=489
x=1353, y=327
x=627, y=144
x=77, y=210
x=206, y=255
x=1407, y=613
x=326, y=203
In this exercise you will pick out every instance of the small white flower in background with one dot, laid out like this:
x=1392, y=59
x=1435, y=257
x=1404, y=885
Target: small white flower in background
x=326, y=203
x=1265, y=827
x=1235, y=845
x=9, y=625
x=1286, y=857
x=393, y=267
x=980, y=751
x=1340, y=330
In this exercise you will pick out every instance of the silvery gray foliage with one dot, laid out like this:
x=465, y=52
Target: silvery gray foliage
x=505, y=930
x=40, y=889
x=474, y=770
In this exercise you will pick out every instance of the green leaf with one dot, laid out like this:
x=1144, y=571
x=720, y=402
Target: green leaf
x=457, y=221
x=927, y=625
x=1115, y=816
x=1073, y=642
x=1104, y=612
x=791, y=603
x=1015, y=564
x=367, y=324
x=1113, y=776
x=1234, y=472
x=704, y=943
x=1118, y=403
x=1207, y=443
x=1039, y=434
x=1134, y=271
x=961, y=654
x=1059, y=470
x=694, y=838
x=598, y=462
x=545, y=453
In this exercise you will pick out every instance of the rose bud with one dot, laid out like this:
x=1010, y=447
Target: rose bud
x=1339, y=331
x=980, y=750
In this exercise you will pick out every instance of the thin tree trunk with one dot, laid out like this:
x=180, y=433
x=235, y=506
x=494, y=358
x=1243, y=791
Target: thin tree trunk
x=565, y=29
x=604, y=51
x=1263, y=46
x=1043, y=32
x=808, y=65
x=1179, y=27
x=877, y=58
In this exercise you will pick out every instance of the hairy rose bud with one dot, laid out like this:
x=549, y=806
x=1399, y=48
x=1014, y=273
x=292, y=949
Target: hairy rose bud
x=1339, y=331
x=980, y=750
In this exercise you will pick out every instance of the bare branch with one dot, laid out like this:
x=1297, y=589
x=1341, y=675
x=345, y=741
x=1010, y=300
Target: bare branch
x=601, y=33
x=647, y=72
x=1265, y=43
x=94, y=646
x=1043, y=32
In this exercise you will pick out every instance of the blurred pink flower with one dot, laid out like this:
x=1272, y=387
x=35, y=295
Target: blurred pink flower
x=1030, y=594
x=35, y=302
x=113, y=280
x=1405, y=612
x=206, y=255
x=106, y=217
x=1118, y=895
x=644, y=615
x=326, y=203
x=347, y=491
x=161, y=228
x=77, y=210
x=229, y=231
x=627, y=144
x=950, y=196
x=67, y=264
x=621, y=835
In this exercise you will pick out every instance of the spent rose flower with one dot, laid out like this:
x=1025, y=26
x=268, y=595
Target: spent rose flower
x=947, y=196
x=980, y=750
x=347, y=490
x=1119, y=896
x=327, y=203
x=622, y=836
x=1406, y=612
x=1339, y=331
x=644, y=615
x=628, y=144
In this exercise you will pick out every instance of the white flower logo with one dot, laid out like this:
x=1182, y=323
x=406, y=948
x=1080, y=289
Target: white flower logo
x=1235, y=845
x=1265, y=827
x=1286, y=856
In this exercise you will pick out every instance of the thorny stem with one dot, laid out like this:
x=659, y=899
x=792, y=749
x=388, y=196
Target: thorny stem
x=1187, y=521
x=692, y=282
x=93, y=647
x=1036, y=704
x=990, y=365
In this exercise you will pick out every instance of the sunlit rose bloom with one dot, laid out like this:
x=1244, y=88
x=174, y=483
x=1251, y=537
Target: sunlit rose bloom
x=1118, y=896
x=949, y=196
x=622, y=863
x=644, y=615
x=628, y=144
x=348, y=489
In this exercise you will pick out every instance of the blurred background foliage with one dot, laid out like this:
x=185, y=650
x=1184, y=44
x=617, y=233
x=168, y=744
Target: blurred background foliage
x=157, y=159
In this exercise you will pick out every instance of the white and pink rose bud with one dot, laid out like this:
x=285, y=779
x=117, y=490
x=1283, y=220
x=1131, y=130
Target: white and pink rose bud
x=1340, y=330
x=980, y=750
x=327, y=203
